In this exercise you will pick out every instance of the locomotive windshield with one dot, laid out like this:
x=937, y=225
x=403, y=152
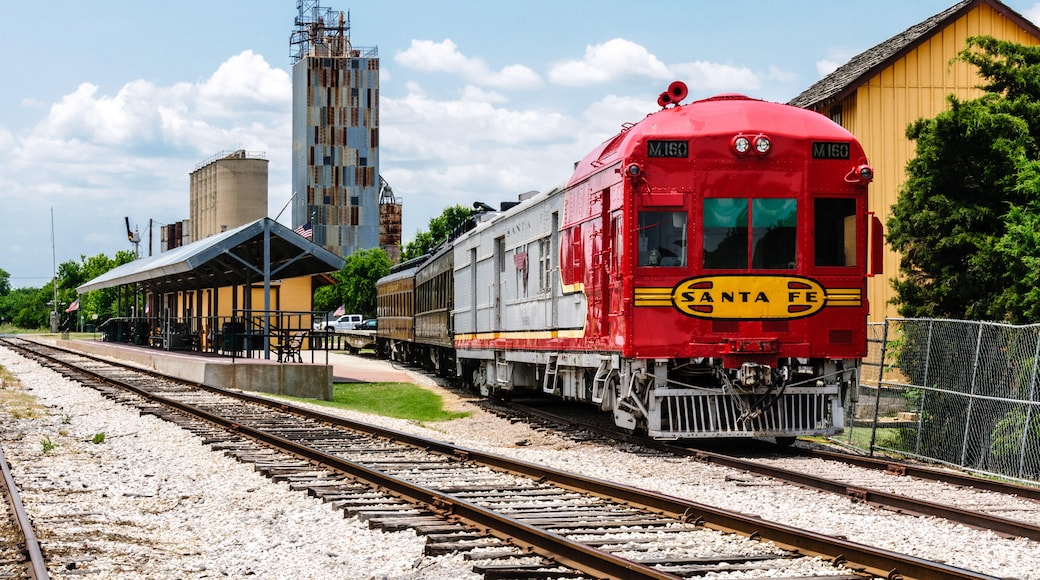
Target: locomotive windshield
x=739, y=231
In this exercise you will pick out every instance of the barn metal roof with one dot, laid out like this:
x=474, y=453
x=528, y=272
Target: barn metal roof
x=865, y=65
x=233, y=257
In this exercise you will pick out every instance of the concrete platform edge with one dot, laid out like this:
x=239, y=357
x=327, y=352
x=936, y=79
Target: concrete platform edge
x=305, y=380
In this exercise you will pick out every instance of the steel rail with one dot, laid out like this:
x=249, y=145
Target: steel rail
x=924, y=472
x=551, y=546
x=882, y=499
x=879, y=498
x=36, y=567
x=876, y=561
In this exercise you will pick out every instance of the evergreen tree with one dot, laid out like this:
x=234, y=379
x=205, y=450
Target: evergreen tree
x=962, y=221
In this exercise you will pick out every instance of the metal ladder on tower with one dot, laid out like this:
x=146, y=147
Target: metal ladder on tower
x=551, y=368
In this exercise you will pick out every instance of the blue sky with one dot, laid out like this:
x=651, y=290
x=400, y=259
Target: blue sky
x=108, y=105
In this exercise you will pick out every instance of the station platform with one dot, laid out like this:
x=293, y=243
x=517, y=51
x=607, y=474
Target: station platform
x=310, y=379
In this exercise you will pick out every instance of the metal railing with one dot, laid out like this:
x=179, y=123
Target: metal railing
x=243, y=334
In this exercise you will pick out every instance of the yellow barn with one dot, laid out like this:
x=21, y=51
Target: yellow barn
x=881, y=91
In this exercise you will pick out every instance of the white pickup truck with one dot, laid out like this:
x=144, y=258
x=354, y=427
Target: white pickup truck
x=339, y=323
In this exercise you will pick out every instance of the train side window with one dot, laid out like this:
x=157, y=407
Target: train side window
x=726, y=233
x=662, y=238
x=544, y=265
x=774, y=226
x=834, y=221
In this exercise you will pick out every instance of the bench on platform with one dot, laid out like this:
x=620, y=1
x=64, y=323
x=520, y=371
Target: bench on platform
x=288, y=347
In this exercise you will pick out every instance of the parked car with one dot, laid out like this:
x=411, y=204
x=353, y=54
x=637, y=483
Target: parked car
x=369, y=324
x=342, y=323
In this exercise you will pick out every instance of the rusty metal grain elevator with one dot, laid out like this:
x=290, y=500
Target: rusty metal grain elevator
x=335, y=145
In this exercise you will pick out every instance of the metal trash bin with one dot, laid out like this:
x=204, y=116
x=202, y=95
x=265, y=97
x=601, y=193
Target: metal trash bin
x=233, y=335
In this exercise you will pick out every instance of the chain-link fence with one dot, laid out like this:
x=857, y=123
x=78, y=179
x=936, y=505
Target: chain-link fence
x=957, y=392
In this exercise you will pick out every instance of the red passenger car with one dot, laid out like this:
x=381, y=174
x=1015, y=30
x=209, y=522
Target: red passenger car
x=702, y=274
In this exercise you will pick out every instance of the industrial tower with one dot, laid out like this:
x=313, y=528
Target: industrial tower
x=335, y=155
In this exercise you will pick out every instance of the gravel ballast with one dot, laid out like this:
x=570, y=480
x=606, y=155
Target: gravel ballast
x=152, y=501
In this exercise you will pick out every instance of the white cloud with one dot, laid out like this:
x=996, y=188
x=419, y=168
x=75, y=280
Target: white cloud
x=444, y=57
x=826, y=66
x=130, y=154
x=612, y=60
x=182, y=115
x=779, y=75
x=469, y=148
x=245, y=82
x=833, y=60
x=712, y=76
x=1033, y=13
x=103, y=120
x=620, y=59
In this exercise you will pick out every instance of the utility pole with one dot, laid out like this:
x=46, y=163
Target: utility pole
x=54, y=280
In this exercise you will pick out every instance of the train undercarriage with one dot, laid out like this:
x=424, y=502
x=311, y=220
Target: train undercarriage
x=678, y=398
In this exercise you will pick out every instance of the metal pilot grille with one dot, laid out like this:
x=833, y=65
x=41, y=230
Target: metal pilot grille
x=681, y=414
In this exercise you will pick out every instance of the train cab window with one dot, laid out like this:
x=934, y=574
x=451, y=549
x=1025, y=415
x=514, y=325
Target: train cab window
x=774, y=224
x=662, y=239
x=759, y=232
x=726, y=233
x=835, y=226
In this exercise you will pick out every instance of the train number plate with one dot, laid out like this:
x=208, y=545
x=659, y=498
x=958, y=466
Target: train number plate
x=668, y=148
x=830, y=150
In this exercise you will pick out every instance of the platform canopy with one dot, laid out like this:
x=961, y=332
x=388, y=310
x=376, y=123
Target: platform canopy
x=253, y=253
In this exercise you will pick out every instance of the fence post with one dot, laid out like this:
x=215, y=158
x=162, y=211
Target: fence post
x=880, y=379
x=971, y=396
x=924, y=387
x=1029, y=410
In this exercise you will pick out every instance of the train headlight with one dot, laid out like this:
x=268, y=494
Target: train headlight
x=741, y=145
x=763, y=144
x=862, y=173
x=634, y=170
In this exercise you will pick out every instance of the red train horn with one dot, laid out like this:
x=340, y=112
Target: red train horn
x=678, y=91
x=664, y=100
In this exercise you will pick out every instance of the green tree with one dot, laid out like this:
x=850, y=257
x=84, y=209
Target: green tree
x=5, y=282
x=970, y=192
x=355, y=286
x=32, y=306
x=18, y=300
x=99, y=305
x=440, y=228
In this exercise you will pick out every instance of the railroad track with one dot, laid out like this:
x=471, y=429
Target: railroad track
x=885, y=483
x=20, y=553
x=495, y=508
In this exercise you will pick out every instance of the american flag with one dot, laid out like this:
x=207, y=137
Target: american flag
x=305, y=230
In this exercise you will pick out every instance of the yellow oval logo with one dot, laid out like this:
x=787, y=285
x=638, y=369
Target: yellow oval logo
x=749, y=297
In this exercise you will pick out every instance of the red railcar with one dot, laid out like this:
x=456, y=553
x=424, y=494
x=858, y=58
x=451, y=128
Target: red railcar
x=702, y=274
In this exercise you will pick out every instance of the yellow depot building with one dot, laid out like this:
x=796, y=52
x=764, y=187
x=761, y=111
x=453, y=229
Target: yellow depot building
x=880, y=92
